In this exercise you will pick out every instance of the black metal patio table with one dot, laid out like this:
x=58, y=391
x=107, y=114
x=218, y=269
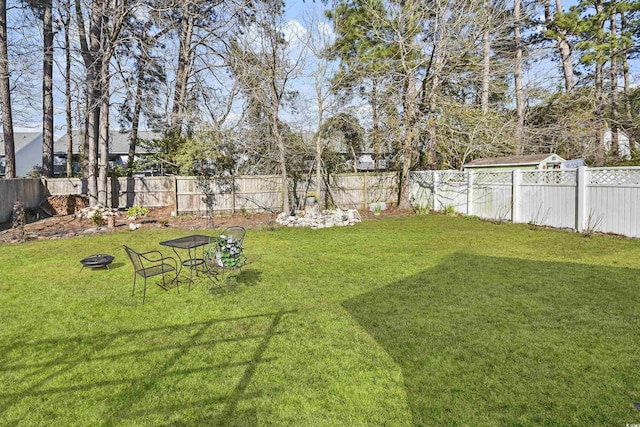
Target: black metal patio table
x=190, y=244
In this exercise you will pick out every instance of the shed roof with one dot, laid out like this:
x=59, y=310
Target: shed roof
x=531, y=159
x=118, y=142
x=20, y=140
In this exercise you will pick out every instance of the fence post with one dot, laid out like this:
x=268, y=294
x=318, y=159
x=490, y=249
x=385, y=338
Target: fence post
x=581, y=198
x=515, y=196
x=469, y=193
x=435, y=190
x=175, y=193
x=364, y=191
x=114, y=192
x=233, y=194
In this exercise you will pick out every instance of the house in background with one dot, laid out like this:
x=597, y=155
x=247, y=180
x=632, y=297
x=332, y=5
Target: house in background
x=28, y=149
x=118, y=149
x=624, y=144
x=366, y=162
x=528, y=162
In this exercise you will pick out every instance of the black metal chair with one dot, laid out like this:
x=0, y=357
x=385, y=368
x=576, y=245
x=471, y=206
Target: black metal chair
x=149, y=264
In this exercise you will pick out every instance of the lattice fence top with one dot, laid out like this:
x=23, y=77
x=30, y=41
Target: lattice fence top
x=422, y=178
x=487, y=178
x=614, y=176
x=448, y=177
x=552, y=177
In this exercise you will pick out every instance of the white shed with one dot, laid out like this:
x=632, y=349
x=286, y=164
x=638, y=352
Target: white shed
x=528, y=162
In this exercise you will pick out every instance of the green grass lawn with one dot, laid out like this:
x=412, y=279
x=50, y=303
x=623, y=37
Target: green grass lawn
x=425, y=320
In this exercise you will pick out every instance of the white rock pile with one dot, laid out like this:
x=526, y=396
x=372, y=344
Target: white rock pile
x=88, y=213
x=319, y=219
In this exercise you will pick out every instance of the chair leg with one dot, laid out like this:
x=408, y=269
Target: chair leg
x=144, y=293
x=133, y=291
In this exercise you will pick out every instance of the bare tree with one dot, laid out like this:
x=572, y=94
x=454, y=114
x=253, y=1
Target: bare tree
x=265, y=68
x=5, y=97
x=64, y=14
x=106, y=20
x=486, y=57
x=598, y=22
x=518, y=132
x=47, y=89
x=613, y=28
x=319, y=43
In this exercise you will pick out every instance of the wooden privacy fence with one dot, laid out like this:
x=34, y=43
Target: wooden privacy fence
x=587, y=199
x=29, y=191
x=250, y=193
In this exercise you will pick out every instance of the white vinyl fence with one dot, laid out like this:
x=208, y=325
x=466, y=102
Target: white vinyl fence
x=587, y=199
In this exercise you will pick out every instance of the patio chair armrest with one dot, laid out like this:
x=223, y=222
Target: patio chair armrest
x=172, y=259
x=160, y=258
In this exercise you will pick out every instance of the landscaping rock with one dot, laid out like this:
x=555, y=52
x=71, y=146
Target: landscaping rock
x=319, y=219
x=88, y=213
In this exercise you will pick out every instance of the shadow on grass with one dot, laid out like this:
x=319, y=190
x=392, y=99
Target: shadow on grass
x=118, y=265
x=249, y=277
x=226, y=284
x=495, y=341
x=156, y=376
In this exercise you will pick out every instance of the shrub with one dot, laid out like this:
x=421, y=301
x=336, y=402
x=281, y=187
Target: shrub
x=136, y=211
x=449, y=211
x=97, y=218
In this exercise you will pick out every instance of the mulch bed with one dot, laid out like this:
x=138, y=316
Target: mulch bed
x=66, y=226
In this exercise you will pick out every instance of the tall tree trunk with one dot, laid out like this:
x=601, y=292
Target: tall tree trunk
x=84, y=150
x=562, y=44
x=518, y=132
x=109, y=42
x=47, y=91
x=318, y=154
x=600, y=156
x=137, y=103
x=625, y=72
x=486, y=59
x=375, y=131
x=66, y=8
x=135, y=122
x=92, y=133
x=410, y=102
x=282, y=158
x=103, y=141
x=89, y=52
x=429, y=91
x=615, y=144
x=182, y=74
x=5, y=97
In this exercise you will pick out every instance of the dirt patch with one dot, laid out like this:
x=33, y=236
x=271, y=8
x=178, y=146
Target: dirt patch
x=66, y=226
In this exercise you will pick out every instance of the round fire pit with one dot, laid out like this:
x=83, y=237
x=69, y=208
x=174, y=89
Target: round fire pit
x=97, y=261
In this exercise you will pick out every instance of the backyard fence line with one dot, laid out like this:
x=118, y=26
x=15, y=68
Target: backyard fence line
x=603, y=200
x=29, y=191
x=586, y=200
x=246, y=193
